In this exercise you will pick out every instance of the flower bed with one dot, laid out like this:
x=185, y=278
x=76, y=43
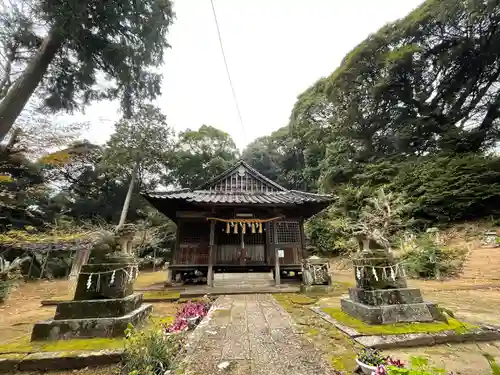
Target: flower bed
x=372, y=362
x=157, y=351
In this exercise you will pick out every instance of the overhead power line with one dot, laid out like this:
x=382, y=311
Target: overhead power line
x=227, y=70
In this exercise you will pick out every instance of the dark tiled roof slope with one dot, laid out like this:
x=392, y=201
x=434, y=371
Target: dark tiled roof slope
x=240, y=197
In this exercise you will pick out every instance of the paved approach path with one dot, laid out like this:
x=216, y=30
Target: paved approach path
x=256, y=336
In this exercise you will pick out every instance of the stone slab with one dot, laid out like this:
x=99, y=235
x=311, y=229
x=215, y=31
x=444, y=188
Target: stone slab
x=120, y=287
x=88, y=328
x=381, y=297
x=222, y=291
x=484, y=333
x=269, y=350
x=9, y=364
x=98, y=308
x=390, y=314
x=426, y=339
x=46, y=361
x=316, y=288
x=62, y=361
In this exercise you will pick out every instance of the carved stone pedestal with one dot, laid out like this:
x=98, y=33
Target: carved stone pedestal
x=381, y=295
x=103, y=305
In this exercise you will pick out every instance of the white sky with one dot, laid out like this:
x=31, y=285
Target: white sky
x=275, y=50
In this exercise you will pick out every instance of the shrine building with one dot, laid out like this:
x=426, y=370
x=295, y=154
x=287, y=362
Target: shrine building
x=240, y=221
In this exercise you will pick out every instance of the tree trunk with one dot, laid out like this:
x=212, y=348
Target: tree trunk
x=126, y=204
x=13, y=103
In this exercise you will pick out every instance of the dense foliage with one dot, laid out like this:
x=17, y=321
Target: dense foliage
x=414, y=108
x=412, y=111
x=70, y=53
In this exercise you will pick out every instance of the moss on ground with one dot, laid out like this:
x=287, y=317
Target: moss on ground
x=162, y=294
x=24, y=345
x=193, y=299
x=301, y=299
x=223, y=313
x=399, y=328
x=339, y=349
x=104, y=370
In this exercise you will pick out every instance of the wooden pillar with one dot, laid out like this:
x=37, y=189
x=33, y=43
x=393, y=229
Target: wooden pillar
x=44, y=264
x=303, y=252
x=210, y=273
x=277, y=272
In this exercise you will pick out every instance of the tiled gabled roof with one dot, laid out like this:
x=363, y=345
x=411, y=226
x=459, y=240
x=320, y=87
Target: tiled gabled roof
x=241, y=197
x=248, y=169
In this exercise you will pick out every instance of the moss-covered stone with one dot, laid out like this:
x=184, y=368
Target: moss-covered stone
x=398, y=328
x=102, y=287
x=24, y=345
x=162, y=295
x=86, y=328
x=98, y=308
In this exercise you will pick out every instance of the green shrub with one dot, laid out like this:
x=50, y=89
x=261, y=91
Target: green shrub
x=428, y=259
x=151, y=351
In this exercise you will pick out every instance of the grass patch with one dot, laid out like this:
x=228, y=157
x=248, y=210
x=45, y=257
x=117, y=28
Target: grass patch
x=149, y=278
x=159, y=321
x=162, y=294
x=398, y=328
x=23, y=345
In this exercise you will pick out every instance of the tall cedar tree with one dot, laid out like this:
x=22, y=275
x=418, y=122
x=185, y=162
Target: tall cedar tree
x=72, y=52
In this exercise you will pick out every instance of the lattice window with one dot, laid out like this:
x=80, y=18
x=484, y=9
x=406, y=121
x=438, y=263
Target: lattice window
x=194, y=232
x=287, y=232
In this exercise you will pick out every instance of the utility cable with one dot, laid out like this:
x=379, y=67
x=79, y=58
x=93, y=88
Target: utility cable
x=227, y=70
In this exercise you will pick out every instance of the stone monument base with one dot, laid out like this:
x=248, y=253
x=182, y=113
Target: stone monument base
x=388, y=306
x=89, y=327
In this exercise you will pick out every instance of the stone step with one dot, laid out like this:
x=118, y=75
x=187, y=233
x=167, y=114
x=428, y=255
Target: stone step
x=240, y=276
x=248, y=279
x=244, y=286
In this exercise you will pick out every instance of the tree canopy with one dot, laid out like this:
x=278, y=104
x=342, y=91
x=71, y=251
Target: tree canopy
x=72, y=52
x=200, y=155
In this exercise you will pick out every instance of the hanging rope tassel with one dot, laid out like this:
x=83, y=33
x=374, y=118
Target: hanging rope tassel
x=253, y=228
x=374, y=271
x=260, y=227
x=112, y=279
x=89, y=282
x=243, y=228
x=228, y=228
x=236, y=228
x=393, y=274
x=358, y=273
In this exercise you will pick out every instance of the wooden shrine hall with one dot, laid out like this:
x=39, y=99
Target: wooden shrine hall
x=240, y=221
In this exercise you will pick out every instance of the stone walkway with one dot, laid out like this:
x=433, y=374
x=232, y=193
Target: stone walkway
x=251, y=334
